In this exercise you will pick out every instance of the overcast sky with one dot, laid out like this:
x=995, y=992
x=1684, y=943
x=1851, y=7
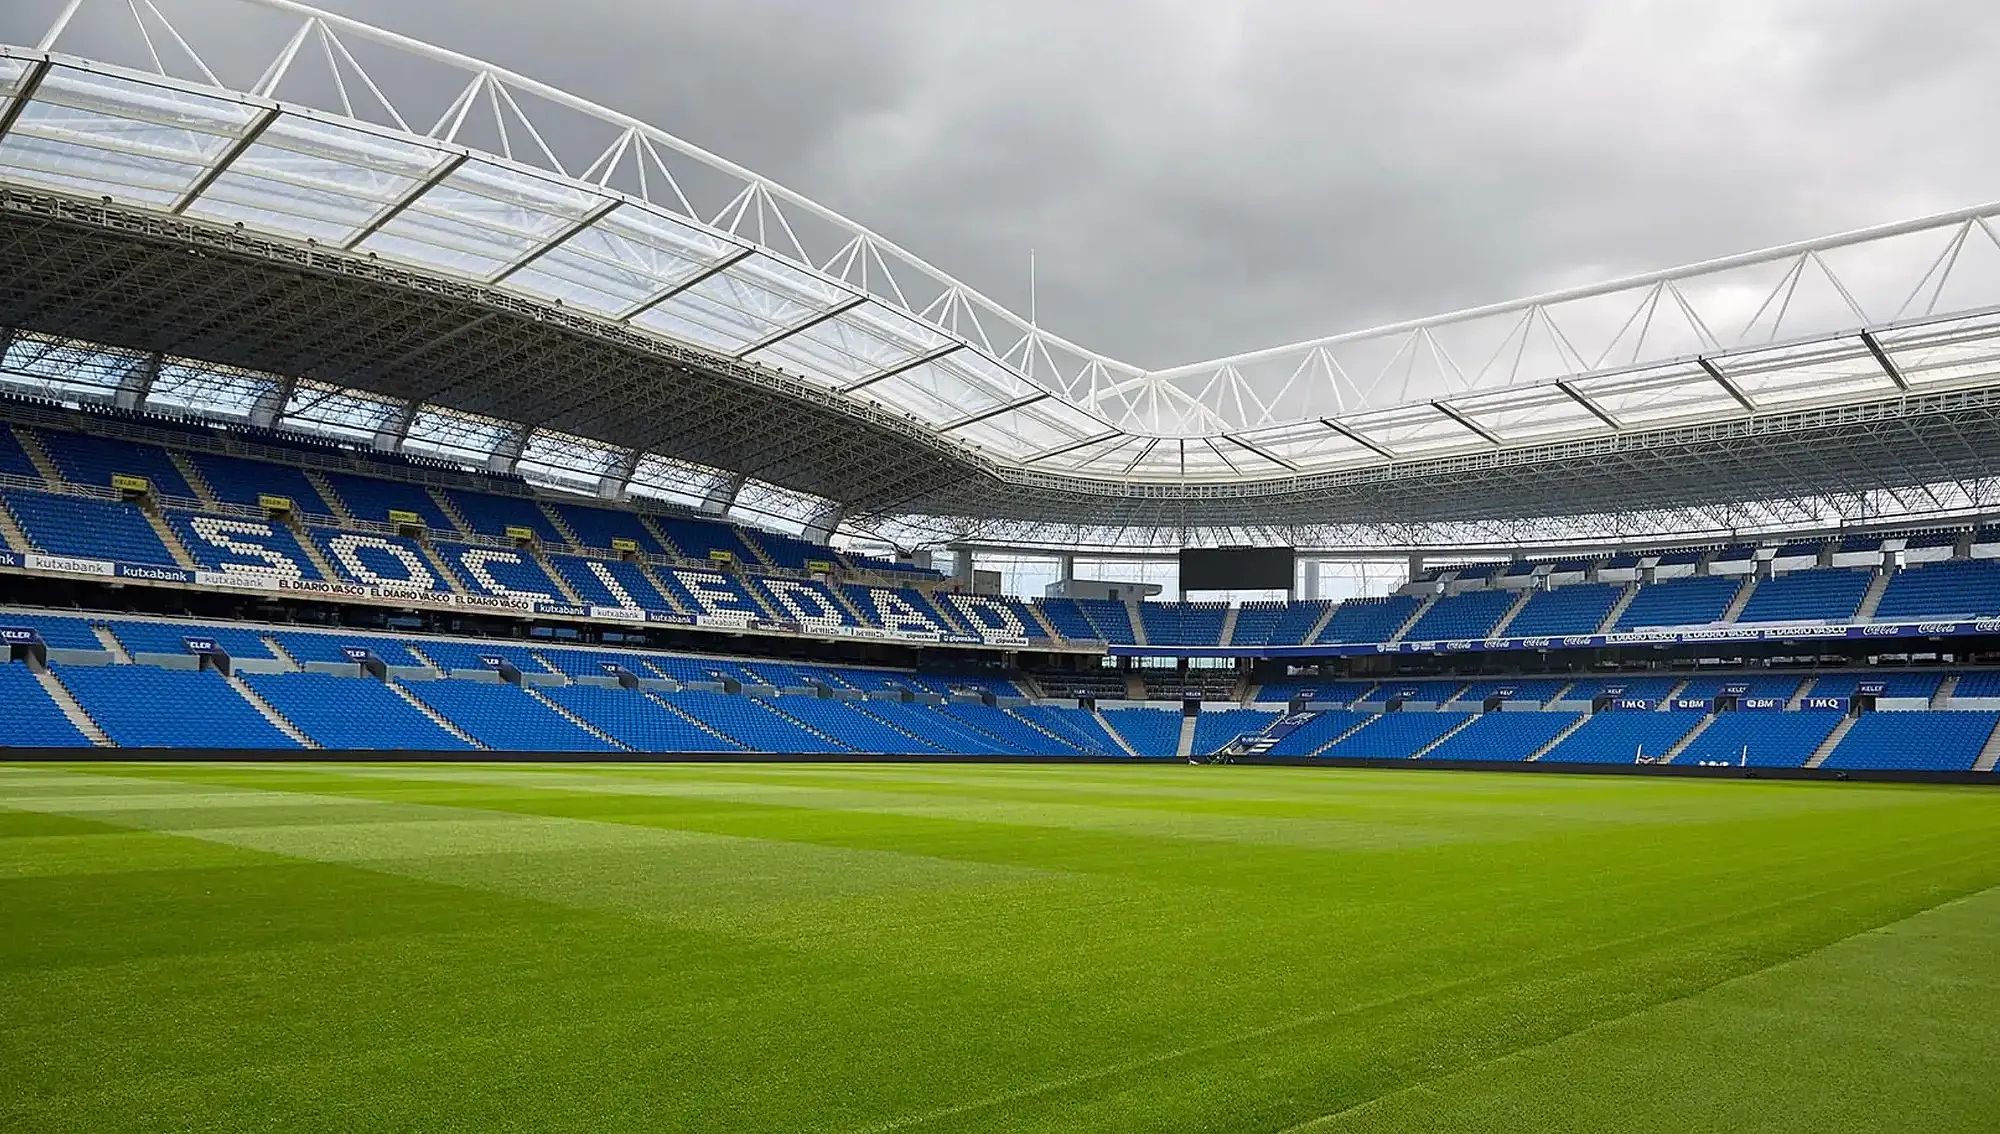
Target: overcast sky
x=1200, y=178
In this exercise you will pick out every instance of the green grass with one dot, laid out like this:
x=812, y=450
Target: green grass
x=966, y=948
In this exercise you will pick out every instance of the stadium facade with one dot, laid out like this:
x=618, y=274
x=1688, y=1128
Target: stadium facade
x=316, y=384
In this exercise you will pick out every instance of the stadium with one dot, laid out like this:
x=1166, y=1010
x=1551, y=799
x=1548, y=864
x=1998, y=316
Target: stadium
x=501, y=638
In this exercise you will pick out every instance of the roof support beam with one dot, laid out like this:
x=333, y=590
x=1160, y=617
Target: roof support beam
x=924, y=359
x=395, y=209
x=1071, y=447
x=779, y=336
x=1727, y=383
x=1144, y=452
x=1264, y=453
x=1589, y=403
x=996, y=411
x=1883, y=360
x=1357, y=438
x=556, y=241
x=29, y=86
x=659, y=297
x=1484, y=433
x=227, y=159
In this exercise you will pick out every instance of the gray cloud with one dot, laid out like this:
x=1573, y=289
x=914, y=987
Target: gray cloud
x=1203, y=178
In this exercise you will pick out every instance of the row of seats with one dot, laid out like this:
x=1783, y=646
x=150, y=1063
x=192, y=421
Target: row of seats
x=143, y=706
x=93, y=460
x=1545, y=690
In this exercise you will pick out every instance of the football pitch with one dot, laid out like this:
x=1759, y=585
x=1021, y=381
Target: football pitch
x=984, y=948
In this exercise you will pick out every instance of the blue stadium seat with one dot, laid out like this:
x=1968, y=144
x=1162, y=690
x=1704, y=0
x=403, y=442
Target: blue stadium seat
x=244, y=547
x=505, y=718
x=31, y=718
x=1213, y=730
x=93, y=529
x=1183, y=623
x=1691, y=600
x=238, y=480
x=1502, y=736
x=331, y=646
x=597, y=527
x=1154, y=733
x=1962, y=588
x=509, y=572
x=352, y=713
x=1395, y=736
x=1824, y=594
x=1323, y=729
x=1620, y=736
x=379, y=559
x=1894, y=683
x=1110, y=619
x=1641, y=686
x=14, y=460
x=1926, y=740
x=1369, y=619
x=1016, y=732
x=609, y=582
x=1761, y=739
x=932, y=722
x=372, y=498
x=458, y=656
x=140, y=706
x=491, y=514
x=1076, y=727
x=751, y=722
x=171, y=637
x=1783, y=686
x=1541, y=690
x=83, y=459
x=852, y=728
x=695, y=539
x=1579, y=608
x=57, y=631
x=636, y=720
x=1468, y=614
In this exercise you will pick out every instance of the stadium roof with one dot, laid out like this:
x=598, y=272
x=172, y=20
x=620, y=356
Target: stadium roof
x=507, y=272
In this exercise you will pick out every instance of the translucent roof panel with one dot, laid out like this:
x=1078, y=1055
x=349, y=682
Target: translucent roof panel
x=753, y=300
x=481, y=219
x=568, y=460
x=1954, y=351
x=620, y=260
x=856, y=343
x=105, y=136
x=1819, y=372
x=200, y=388
x=1030, y=429
x=316, y=180
x=677, y=481
x=1311, y=445
x=1534, y=413
x=1680, y=392
x=1414, y=431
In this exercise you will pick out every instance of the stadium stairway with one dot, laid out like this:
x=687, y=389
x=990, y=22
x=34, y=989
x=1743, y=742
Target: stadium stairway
x=1832, y=742
x=1500, y=627
x=1942, y=698
x=60, y=694
x=278, y=720
x=10, y=529
x=1186, y=746
x=556, y=521
x=278, y=650
x=1559, y=737
x=444, y=504
x=442, y=569
x=1989, y=755
x=1734, y=610
x=1228, y=635
x=110, y=642
x=563, y=711
x=1871, y=599
x=203, y=491
x=1681, y=745
x=437, y=718
x=692, y=719
x=332, y=498
x=1469, y=717
x=168, y=539
x=562, y=584
x=1319, y=625
x=1416, y=616
x=31, y=444
x=1113, y=733
x=1617, y=610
